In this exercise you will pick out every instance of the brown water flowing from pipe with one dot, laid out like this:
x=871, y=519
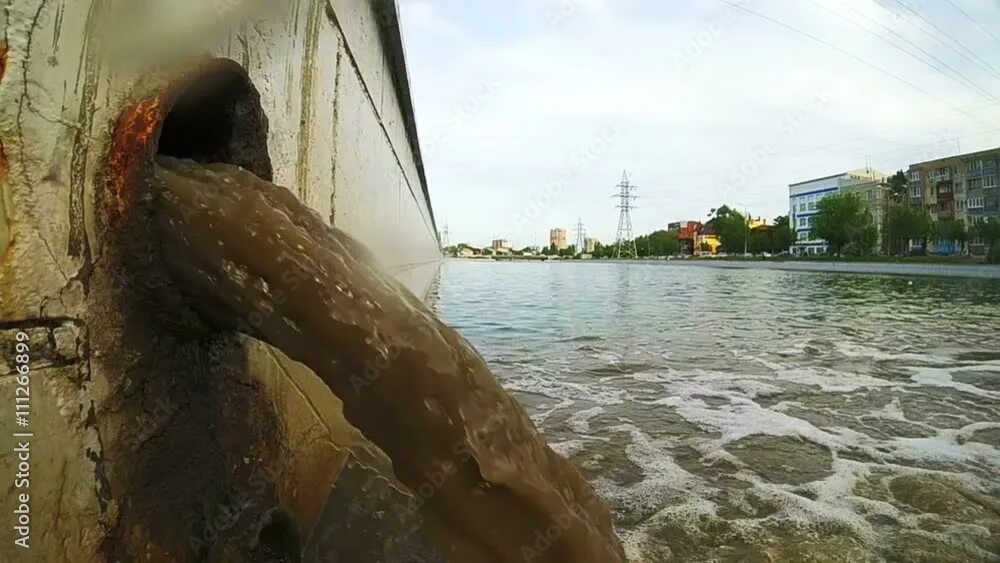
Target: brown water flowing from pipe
x=250, y=256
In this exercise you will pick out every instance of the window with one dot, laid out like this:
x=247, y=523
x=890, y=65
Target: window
x=976, y=166
x=802, y=221
x=812, y=206
x=914, y=175
x=802, y=207
x=975, y=184
x=990, y=182
x=915, y=191
x=975, y=203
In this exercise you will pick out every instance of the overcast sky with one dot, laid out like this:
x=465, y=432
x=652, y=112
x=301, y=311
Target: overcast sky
x=529, y=110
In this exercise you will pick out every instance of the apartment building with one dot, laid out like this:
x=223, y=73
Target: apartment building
x=557, y=238
x=962, y=188
x=804, y=197
x=876, y=195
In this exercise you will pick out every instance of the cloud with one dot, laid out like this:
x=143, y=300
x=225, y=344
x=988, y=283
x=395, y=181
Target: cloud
x=708, y=104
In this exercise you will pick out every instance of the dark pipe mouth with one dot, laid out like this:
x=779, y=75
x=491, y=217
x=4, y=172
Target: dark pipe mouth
x=216, y=117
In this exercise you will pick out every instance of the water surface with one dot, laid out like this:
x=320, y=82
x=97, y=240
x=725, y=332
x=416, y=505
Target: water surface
x=755, y=415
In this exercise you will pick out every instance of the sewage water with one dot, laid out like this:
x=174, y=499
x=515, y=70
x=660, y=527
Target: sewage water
x=250, y=257
x=751, y=415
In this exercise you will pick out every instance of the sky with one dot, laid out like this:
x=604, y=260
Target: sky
x=529, y=111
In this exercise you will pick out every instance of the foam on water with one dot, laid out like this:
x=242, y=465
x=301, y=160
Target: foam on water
x=850, y=427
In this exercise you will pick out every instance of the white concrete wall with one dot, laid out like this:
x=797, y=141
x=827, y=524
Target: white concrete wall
x=338, y=138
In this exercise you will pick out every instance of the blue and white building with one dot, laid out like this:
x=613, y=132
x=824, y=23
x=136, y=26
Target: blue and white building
x=803, y=198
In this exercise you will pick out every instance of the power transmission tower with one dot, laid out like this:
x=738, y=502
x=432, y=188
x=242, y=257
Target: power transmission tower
x=445, y=243
x=624, y=243
x=581, y=235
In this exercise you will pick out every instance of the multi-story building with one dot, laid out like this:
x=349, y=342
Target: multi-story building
x=687, y=232
x=590, y=244
x=557, y=238
x=875, y=195
x=962, y=188
x=804, y=197
x=500, y=244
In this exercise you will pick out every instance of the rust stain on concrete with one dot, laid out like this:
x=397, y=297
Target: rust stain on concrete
x=3, y=58
x=6, y=246
x=132, y=145
x=4, y=163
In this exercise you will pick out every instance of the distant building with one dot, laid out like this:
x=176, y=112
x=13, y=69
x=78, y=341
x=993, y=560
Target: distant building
x=962, y=188
x=687, y=232
x=557, y=238
x=706, y=240
x=875, y=195
x=500, y=244
x=465, y=251
x=590, y=244
x=803, y=198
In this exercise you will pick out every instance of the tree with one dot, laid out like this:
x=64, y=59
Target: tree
x=663, y=243
x=731, y=227
x=772, y=238
x=989, y=231
x=842, y=219
x=908, y=223
x=897, y=186
x=569, y=251
x=784, y=236
x=598, y=250
x=951, y=229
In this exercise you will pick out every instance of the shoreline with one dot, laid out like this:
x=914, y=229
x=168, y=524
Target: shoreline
x=925, y=269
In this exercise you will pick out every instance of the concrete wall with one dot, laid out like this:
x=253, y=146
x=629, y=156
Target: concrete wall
x=332, y=84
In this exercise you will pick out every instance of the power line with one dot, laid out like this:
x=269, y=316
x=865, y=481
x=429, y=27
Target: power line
x=961, y=79
x=845, y=52
x=973, y=20
x=945, y=34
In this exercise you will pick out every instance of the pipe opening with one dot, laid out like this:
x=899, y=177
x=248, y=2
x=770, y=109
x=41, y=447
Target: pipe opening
x=217, y=118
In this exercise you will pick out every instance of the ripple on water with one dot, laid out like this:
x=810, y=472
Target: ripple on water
x=764, y=416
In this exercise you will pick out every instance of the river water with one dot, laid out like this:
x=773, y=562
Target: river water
x=753, y=415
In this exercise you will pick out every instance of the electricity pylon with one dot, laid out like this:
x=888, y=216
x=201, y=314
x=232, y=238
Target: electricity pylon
x=624, y=242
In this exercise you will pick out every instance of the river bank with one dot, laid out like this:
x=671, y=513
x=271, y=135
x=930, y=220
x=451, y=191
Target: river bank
x=989, y=271
x=953, y=269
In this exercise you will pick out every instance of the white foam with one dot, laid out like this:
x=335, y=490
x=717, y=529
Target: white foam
x=579, y=422
x=942, y=377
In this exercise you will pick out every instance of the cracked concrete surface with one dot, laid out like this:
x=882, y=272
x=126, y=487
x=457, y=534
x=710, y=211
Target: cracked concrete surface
x=122, y=423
